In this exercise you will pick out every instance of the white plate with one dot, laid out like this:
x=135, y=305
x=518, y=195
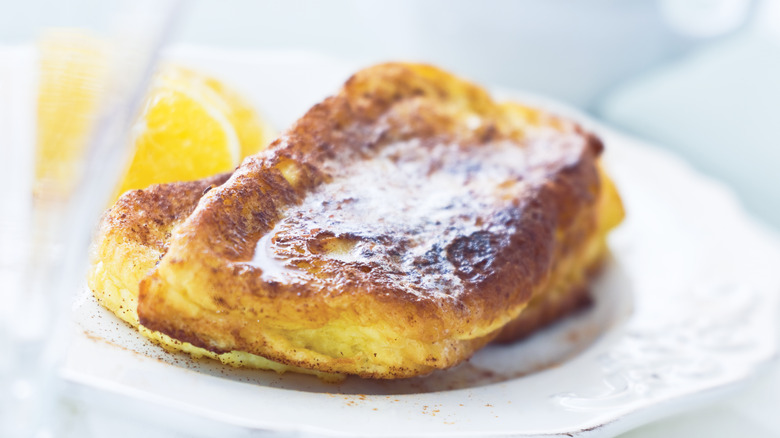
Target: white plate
x=686, y=308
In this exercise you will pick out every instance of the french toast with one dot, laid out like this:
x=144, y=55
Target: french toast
x=393, y=230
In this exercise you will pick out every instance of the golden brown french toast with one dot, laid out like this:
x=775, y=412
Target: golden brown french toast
x=393, y=230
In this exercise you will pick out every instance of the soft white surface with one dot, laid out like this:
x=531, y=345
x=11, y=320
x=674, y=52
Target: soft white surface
x=719, y=109
x=689, y=229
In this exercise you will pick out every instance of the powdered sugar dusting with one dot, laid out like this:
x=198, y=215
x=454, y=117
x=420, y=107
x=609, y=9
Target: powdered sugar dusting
x=399, y=216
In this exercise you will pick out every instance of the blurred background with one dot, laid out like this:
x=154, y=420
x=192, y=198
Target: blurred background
x=700, y=77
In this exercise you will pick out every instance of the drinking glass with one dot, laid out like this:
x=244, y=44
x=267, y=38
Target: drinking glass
x=68, y=95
